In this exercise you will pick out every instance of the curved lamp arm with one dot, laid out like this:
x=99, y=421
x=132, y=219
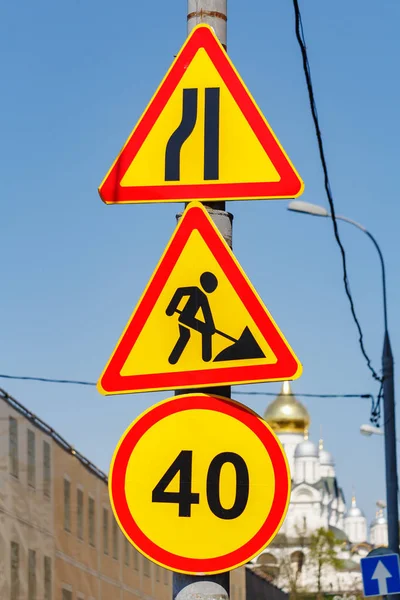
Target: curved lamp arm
x=320, y=211
x=371, y=237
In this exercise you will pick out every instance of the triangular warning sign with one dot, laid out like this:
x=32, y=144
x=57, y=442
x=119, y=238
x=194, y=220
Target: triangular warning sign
x=202, y=137
x=199, y=322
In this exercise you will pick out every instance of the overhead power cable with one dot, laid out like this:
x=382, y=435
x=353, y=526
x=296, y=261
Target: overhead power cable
x=296, y=395
x=238, y=392
x=375, y=404
x=307, y=71
x=47, y=380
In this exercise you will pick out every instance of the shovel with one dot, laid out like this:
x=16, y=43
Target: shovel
x=243, y=348
x=246, y=347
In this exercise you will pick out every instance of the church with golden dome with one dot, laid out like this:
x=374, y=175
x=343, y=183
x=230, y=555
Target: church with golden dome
x=317, y=501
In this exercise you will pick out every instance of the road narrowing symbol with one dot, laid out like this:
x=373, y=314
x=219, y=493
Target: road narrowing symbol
x=199, y=484
x=201, y=137
x=199, y=322
x=185, y=129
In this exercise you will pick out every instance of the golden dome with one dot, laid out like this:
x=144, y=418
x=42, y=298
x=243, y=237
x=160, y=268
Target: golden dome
x=286, y=414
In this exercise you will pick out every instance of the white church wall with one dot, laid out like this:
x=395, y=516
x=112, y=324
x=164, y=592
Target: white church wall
x=299, y=471
x=379, y=535
x=327, y=471
x=309, y=470
x=356, y=529
x=289, y=442
x=306, y=469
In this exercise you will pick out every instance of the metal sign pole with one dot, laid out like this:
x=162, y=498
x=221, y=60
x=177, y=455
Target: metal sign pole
x=210, y=587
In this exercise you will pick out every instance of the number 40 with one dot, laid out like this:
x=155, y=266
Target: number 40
x=185, y=497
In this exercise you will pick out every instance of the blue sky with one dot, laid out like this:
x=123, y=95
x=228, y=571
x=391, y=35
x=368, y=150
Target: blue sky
x=76, y=77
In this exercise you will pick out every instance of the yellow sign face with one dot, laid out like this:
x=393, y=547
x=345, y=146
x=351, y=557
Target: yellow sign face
x=241, y=156
x=199, y=484
x=201, y=137
x=199, y=323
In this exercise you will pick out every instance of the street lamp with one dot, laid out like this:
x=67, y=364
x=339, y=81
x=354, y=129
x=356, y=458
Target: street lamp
x=368, y=430
x=388, y=382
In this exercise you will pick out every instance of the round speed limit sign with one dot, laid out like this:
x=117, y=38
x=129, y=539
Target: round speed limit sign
x=199, y=484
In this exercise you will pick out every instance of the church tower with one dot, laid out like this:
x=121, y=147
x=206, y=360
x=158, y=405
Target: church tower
x=290, y=421
x=355, y=523
x=379, y=527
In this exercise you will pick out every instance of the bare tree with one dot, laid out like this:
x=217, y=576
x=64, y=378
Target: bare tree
x=323, y=553
x=289, y=564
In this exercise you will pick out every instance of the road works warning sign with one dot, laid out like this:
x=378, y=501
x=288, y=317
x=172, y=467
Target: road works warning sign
x=202, y=137
x=199, y=322
x=199, y=484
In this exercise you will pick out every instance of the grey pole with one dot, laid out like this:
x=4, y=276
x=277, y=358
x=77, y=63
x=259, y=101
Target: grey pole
x=390, y=445
x=388, y=388
x=390, y=420
x=210, y=587
x=212, y=12
x=388, y=411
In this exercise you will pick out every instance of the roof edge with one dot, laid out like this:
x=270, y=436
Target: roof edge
x=45, y=428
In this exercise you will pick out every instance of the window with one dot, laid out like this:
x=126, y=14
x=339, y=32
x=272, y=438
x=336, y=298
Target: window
x=127, y=547
x=146, y=567
x=105, y=531
x=67, y=505
x=115, y=539
x=13, y=446
x=47, y=578
x=297, y=560
x=79, y=502
x=66, y=595
x=46, y=469
x=14, y=593
x=31, y=458
x=91, y=522
x=31, y=575
x=135, y=559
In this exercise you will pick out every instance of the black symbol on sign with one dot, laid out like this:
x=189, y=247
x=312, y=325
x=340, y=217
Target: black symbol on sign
x=182, y=465
x=245, y=347
x=184, y=130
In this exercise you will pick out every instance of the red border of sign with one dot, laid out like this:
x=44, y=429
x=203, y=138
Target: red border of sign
x=196, y=565
x=286, y=367
x=290, y=184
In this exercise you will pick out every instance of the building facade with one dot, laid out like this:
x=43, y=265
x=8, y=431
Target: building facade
x=26, y=508
x=317, y=501
x=58, y=536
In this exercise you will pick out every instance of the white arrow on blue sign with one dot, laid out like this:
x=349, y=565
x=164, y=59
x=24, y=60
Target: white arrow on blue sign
x=381, y=575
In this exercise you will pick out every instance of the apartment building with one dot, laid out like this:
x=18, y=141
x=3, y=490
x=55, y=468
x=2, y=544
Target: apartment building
x=93, y=560
x=26, y=507
x=58, y=536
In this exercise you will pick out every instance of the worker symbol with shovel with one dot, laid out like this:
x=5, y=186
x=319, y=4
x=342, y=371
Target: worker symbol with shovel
x=245, y=347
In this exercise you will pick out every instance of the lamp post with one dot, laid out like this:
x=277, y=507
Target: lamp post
x=388, y=383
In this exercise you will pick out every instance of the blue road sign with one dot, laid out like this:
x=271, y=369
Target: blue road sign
x=381, y=575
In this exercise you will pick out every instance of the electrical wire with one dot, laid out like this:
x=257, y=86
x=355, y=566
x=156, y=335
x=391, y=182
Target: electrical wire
x=296, y=395
x=47, y=380
x=307, y=71
x=376, y=407
x=237, y=392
